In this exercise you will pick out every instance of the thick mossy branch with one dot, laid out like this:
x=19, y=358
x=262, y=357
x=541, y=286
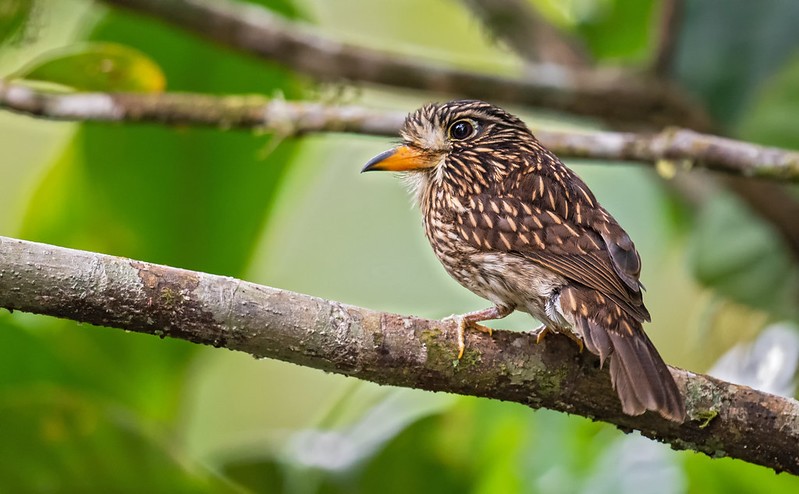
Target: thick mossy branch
x=724, y=419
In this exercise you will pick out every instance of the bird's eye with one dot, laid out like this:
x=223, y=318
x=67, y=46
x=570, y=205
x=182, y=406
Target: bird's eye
x=462, y=129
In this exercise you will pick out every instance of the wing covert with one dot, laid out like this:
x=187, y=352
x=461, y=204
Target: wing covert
x=574, y=251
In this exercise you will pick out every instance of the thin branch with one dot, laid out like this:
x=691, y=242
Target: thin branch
x=249, y=28
x=521, y=27
x=686, y=148
x=224, y=112
x=724, y=419
x=669, y=24
x=683, y=148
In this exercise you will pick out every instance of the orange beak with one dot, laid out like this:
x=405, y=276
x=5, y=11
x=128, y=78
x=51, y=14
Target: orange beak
x=399, y=159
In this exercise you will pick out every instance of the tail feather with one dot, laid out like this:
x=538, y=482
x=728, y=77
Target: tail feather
x=641, y=378
x=595, y=339
x=637, y=363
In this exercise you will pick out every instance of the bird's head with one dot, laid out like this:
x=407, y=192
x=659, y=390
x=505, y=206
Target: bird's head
x=465, y=144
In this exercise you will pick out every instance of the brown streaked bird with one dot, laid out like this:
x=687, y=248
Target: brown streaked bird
x=510, y=222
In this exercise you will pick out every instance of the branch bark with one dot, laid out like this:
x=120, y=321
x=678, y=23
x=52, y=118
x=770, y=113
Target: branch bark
x=688, y=149
x=248, y=28
x=724, y=419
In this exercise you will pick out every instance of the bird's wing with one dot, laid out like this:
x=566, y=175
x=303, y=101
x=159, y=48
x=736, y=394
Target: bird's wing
x=574, y=251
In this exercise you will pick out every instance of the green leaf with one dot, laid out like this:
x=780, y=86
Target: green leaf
x=58, y=440
x=771, y=117
x=617, y=29
x=107, y=67
x=14, y=16
x=63, y=433
x=286, y=8
x=753, y=267
x=727, y=48
x=721, y=476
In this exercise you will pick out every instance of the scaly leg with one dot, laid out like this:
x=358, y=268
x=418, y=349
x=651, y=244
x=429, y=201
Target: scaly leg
x=471, y=319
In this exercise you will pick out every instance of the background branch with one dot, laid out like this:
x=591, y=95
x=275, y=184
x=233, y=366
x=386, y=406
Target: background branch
x=521, y=27
x=686, y=147
x=669, y=24
x=724, y=419
x=248, y=28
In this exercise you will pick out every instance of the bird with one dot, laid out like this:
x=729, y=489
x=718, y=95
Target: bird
x=511, y=223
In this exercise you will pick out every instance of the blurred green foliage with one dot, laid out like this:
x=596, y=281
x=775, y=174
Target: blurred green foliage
x=729, y=48
x=97, y=67
x=14, y=16
x=89, y=409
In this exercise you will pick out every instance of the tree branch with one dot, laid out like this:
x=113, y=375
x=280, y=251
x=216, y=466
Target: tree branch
x=724, y=419
x=688, y=149
x=670, y=22
x=252, y=29
x=224, y=112
x=517, y=23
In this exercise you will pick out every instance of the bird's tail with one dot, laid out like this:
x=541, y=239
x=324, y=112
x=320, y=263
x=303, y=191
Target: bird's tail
x=638, y=373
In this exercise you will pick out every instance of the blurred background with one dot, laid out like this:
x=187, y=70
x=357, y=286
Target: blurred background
x=86, y=409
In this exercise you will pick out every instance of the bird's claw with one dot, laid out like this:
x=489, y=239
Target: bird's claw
x=480, y=327
x=461, y=323
x=541, y=331
x=575, y=338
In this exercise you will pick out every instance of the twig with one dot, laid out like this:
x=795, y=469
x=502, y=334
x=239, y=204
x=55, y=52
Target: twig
x=252, y=29
x=724, y=419
x=686, y=148
x=669, y=25
x=518, y=24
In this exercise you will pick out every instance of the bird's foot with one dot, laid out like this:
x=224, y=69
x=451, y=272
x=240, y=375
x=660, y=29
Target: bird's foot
x=575, y=338
x=471, y=320
x=541, y=331
x=462, y=323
